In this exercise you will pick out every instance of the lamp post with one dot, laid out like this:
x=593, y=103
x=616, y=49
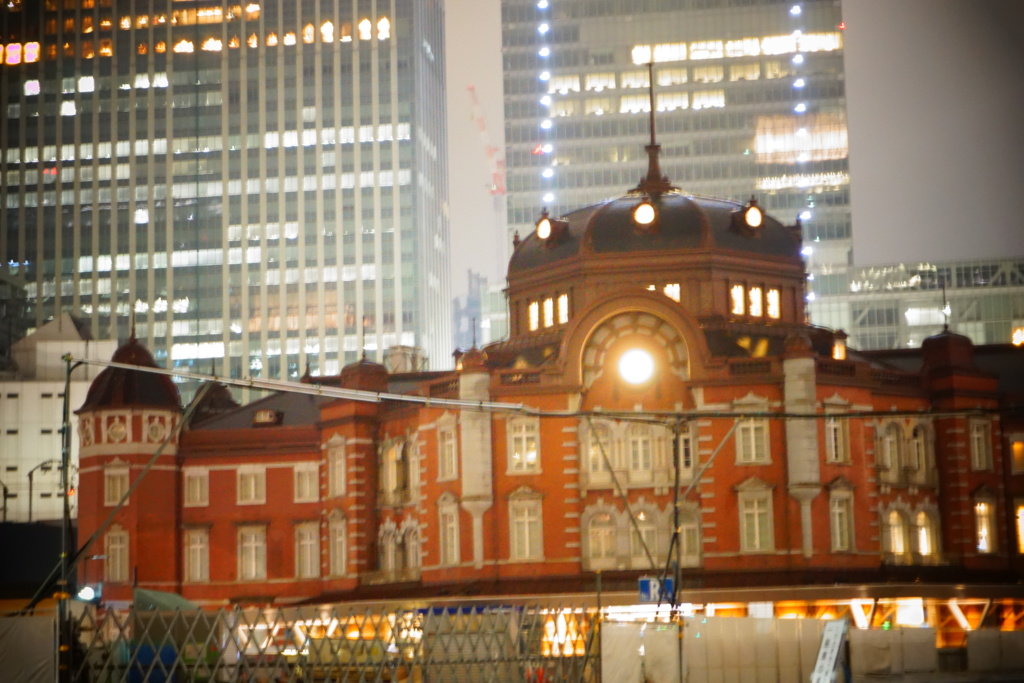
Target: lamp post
x=45, y=466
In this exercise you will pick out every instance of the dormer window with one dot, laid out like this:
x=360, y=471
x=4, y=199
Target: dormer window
x=533, y=311
x=563, y=309
x=736, y=299
x=774, y=304
x=755, y=302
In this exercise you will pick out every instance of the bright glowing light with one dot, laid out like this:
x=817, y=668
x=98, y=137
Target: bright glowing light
x=810, y=296
x=547, y=172
x=795, y=10
x=548, y=198
x=545, y=75
x=644, y=213
x=86, y=593
x=805, y=215
x=546, y=100
x=636, y=366
x=800, y=108
x=799, y=83
x=807, y=251
x=545, y=124
x=544, y=51
x=543, y=28
x=543, y=4
x=548, y=148
x=544, y=228
x=1017, y=339
x=753, y=217
x=798, y=59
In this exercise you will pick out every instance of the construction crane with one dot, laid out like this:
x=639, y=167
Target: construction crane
x=495, y=165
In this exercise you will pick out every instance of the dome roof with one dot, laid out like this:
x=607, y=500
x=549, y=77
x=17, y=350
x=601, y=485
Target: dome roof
x=123, y=388
x=684, y=222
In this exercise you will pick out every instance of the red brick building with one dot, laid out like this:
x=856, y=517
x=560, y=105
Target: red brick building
x=647, y=355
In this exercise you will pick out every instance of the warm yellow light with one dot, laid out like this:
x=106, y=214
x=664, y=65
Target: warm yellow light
x=753, y=216
x=544, y=228
x=644, y=213
x=636, y=366
x=736, y=296
x=839, y=350
x=1018, y=337
x=774, y=304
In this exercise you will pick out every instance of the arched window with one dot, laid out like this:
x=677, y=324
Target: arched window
x=927, y=538
x=891, y=456
x=898, y=536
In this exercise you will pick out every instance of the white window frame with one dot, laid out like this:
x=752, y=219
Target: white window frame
x=897, y=533
x=251, y=485
x=448, y=453
x=890, y=445
x=307, y=550
x=837, y=442
x=116, y=567
x=751, y=439
x=689, y=457
x=336, y=467
x=526, y=529
x=756, y=520
x=690, y=541
x=337, y=533
x=648, y=531
x=521, y=431
x=926, y=534
x=197, y=555
x=252, y=552
x=980, y=434
x=640, y=445
x=197, y=487
x=602, y=535
x=840, y=518
x=919, y=459
x=306, y=476
x=450, y=550
x=115, y=484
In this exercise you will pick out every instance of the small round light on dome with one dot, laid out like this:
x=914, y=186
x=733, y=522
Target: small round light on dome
x=644, y=213
x=86, y=593
x=636, y=366
x=544, y=228
x=753, y=216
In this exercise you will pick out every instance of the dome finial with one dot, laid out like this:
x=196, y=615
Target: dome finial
x=655, y=183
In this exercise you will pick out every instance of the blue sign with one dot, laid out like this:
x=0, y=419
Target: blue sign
x=653, y=589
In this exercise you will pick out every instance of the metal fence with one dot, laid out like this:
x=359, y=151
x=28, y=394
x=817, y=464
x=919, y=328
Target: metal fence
x=493, y=644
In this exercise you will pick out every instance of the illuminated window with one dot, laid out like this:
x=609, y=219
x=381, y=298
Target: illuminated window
x=252, y=553
x=708, y=74
x=564, y=84
x=197, y=555
x=365, y=29
x=774, y=304
x=736, y=299
x=778, y=45
x=563, y=309
x=927, y=545
x=981, y=445
x=638, y=79
x=671, y=52
x=671, y=101
x=289, y=38
x=599, y=81
x=523, y=445
x=115, y=484
x=752, y=441
x=533, y=311
x=32, y=52
x=383, y=28
x=897, y=533
x=184, y=46
x=272, y=39
x=346, y=33
x=669, y=76
x=327, y=32
x=708, y=99
x=307, y=550
x=1018, y=517
x=12, y=54
x=549, y=312
x=307, y=482
x=776, y=69
x=213, y=45
x=197, y=487
x=115, y=547
x=754, y=299
x=841, y=520
x=161, y=47
x=835, y=440
x=251, y=485
x=525, y=528
x=745, y=47
x=86, y=24
x=641, y=54
x=253, y=41
x=32, y=88
x=985, y=526
x=234, y=42
x=1017, y=454
x=308, y=34
x=634, y=104
x=338, y=538
x=744, y=72
x=672, y=291
x=126, y=22
x=756, y=521
x=707, y=49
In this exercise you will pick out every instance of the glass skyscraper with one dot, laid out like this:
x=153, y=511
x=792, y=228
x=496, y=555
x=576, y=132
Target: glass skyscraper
x=748, y=94
x=260, y=187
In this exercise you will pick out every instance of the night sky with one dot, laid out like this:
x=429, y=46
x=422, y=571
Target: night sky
x=935, y=93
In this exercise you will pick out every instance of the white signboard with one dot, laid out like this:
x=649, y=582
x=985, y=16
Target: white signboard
x=832, y=639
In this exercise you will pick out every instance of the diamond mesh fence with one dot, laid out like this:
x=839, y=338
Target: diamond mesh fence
x=494, y=644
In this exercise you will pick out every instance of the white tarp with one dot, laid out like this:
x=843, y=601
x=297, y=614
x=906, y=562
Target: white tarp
x=27, y=647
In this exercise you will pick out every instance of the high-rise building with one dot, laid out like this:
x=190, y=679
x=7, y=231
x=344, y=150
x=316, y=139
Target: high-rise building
x=260, y=187
x=749, y=99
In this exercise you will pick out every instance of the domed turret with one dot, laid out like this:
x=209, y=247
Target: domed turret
x=117, y=387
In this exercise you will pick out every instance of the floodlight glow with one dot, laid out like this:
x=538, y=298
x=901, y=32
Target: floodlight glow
x=636, y=366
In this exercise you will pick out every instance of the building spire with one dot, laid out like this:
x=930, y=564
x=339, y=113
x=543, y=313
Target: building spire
x=654, y=183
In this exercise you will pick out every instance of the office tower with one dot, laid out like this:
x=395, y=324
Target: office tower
x=255, y=187
x=749, y=101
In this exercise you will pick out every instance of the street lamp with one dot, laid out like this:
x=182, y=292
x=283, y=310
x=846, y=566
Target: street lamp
x=45, y=466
